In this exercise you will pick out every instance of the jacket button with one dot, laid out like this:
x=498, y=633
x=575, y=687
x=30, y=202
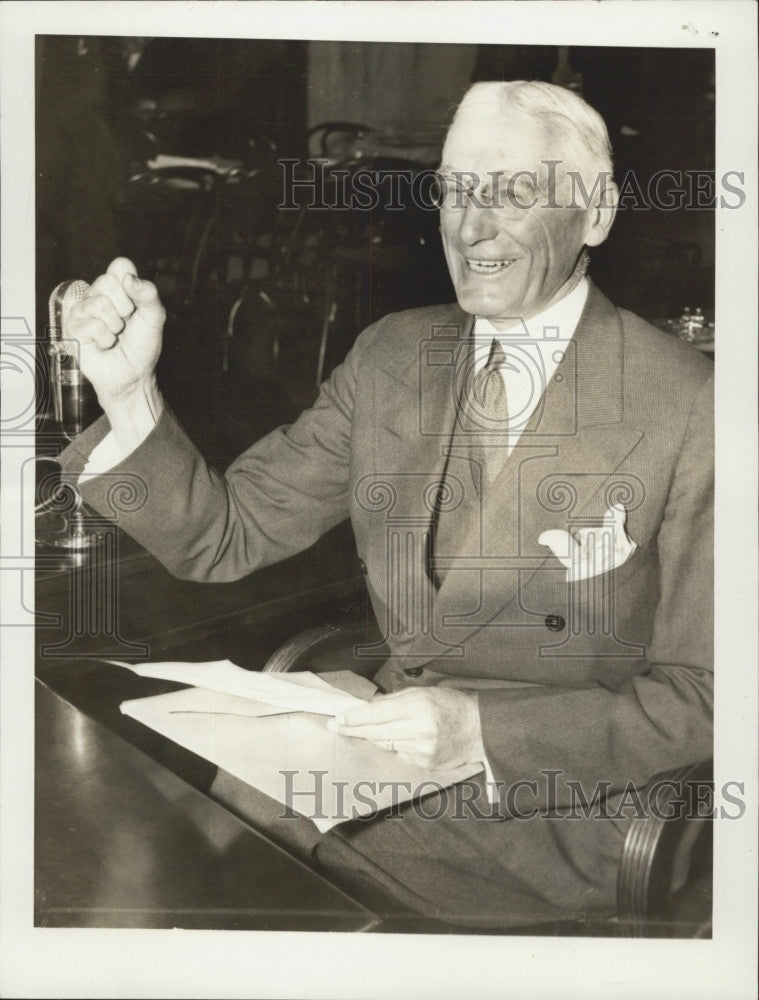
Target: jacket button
x=362, y=566
x=555, y=623
x=413, y=671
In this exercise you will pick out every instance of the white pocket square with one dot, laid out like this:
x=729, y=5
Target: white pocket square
x=591, y=551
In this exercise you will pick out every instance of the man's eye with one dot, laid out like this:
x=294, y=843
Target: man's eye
x=449, y=192
x=513, y=195
x=517, y=193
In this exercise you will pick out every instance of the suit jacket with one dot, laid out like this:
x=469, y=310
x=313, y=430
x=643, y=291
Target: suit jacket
x=608, y=679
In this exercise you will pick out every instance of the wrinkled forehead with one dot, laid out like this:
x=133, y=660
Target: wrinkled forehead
x=495, y=139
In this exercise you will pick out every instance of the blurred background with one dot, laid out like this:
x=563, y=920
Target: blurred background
x=170, y=150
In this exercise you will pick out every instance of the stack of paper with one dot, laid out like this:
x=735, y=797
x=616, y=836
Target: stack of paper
x=270, y=731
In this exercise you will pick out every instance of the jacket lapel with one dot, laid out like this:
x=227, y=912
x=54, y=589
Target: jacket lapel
x=565, y=457
x=415, y=408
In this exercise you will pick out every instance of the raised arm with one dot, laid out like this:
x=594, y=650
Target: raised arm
x=276, y=499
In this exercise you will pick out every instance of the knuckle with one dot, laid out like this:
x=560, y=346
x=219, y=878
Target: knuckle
x=121, y=263
x=105, y=339
x=100, y=331
x=149, y=290
x=78, y=327
x=95, y=304
x=101, y=283
x=86, y=329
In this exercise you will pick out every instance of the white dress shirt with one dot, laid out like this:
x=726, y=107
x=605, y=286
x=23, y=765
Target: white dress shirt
x=534, y=349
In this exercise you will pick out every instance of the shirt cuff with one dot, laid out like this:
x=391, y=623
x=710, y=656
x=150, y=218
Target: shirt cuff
x=490, y=784
x=104, y=456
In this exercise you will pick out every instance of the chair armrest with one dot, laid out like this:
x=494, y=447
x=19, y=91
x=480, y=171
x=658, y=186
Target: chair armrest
x=295, y=652
x=333, y=644
x=662, y=848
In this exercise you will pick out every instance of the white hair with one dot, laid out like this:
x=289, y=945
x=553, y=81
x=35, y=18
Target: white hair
x=563, y=111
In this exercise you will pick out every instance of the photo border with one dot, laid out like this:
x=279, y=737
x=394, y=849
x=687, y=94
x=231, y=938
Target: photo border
x=84, y=963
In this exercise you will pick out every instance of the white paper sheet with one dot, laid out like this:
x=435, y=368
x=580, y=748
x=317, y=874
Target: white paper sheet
x=297, y=692
x=353, y=776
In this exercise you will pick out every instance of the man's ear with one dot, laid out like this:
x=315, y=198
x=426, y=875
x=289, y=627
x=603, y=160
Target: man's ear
x=601, y=216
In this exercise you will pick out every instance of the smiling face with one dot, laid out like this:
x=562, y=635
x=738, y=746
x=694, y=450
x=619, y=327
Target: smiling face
x=508, y=261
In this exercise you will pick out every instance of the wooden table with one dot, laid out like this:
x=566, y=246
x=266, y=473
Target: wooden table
x=121, y=841
x=127, y=832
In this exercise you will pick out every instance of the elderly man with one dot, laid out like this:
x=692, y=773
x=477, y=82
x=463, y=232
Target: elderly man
x=548, y=611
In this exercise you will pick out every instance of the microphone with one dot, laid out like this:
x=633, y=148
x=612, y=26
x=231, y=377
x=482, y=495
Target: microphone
x=74, y=406
x=74, y=400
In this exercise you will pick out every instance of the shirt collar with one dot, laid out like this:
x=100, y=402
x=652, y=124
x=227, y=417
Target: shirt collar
x=563, y=315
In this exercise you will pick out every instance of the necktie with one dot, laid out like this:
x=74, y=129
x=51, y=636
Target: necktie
x=489, y=409
x=482, y=409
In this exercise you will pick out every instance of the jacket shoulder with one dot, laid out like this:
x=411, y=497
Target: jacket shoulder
x=651, y=349
x=396, y=337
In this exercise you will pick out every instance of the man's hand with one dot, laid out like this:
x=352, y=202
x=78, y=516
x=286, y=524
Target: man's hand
x=119, y=325
x=432, y=727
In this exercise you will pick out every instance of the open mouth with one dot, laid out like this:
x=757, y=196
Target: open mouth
x=487, y=266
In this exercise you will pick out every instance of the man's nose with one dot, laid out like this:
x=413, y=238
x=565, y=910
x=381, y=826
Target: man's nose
x=478, y=222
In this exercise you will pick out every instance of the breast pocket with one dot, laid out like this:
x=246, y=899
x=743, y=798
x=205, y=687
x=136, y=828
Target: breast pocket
x=549, y=594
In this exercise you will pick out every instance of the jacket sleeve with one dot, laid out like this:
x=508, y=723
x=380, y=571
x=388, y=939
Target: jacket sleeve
x=276, y=499
x=662, y=718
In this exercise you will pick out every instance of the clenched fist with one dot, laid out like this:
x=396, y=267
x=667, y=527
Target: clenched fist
x=118, y=325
